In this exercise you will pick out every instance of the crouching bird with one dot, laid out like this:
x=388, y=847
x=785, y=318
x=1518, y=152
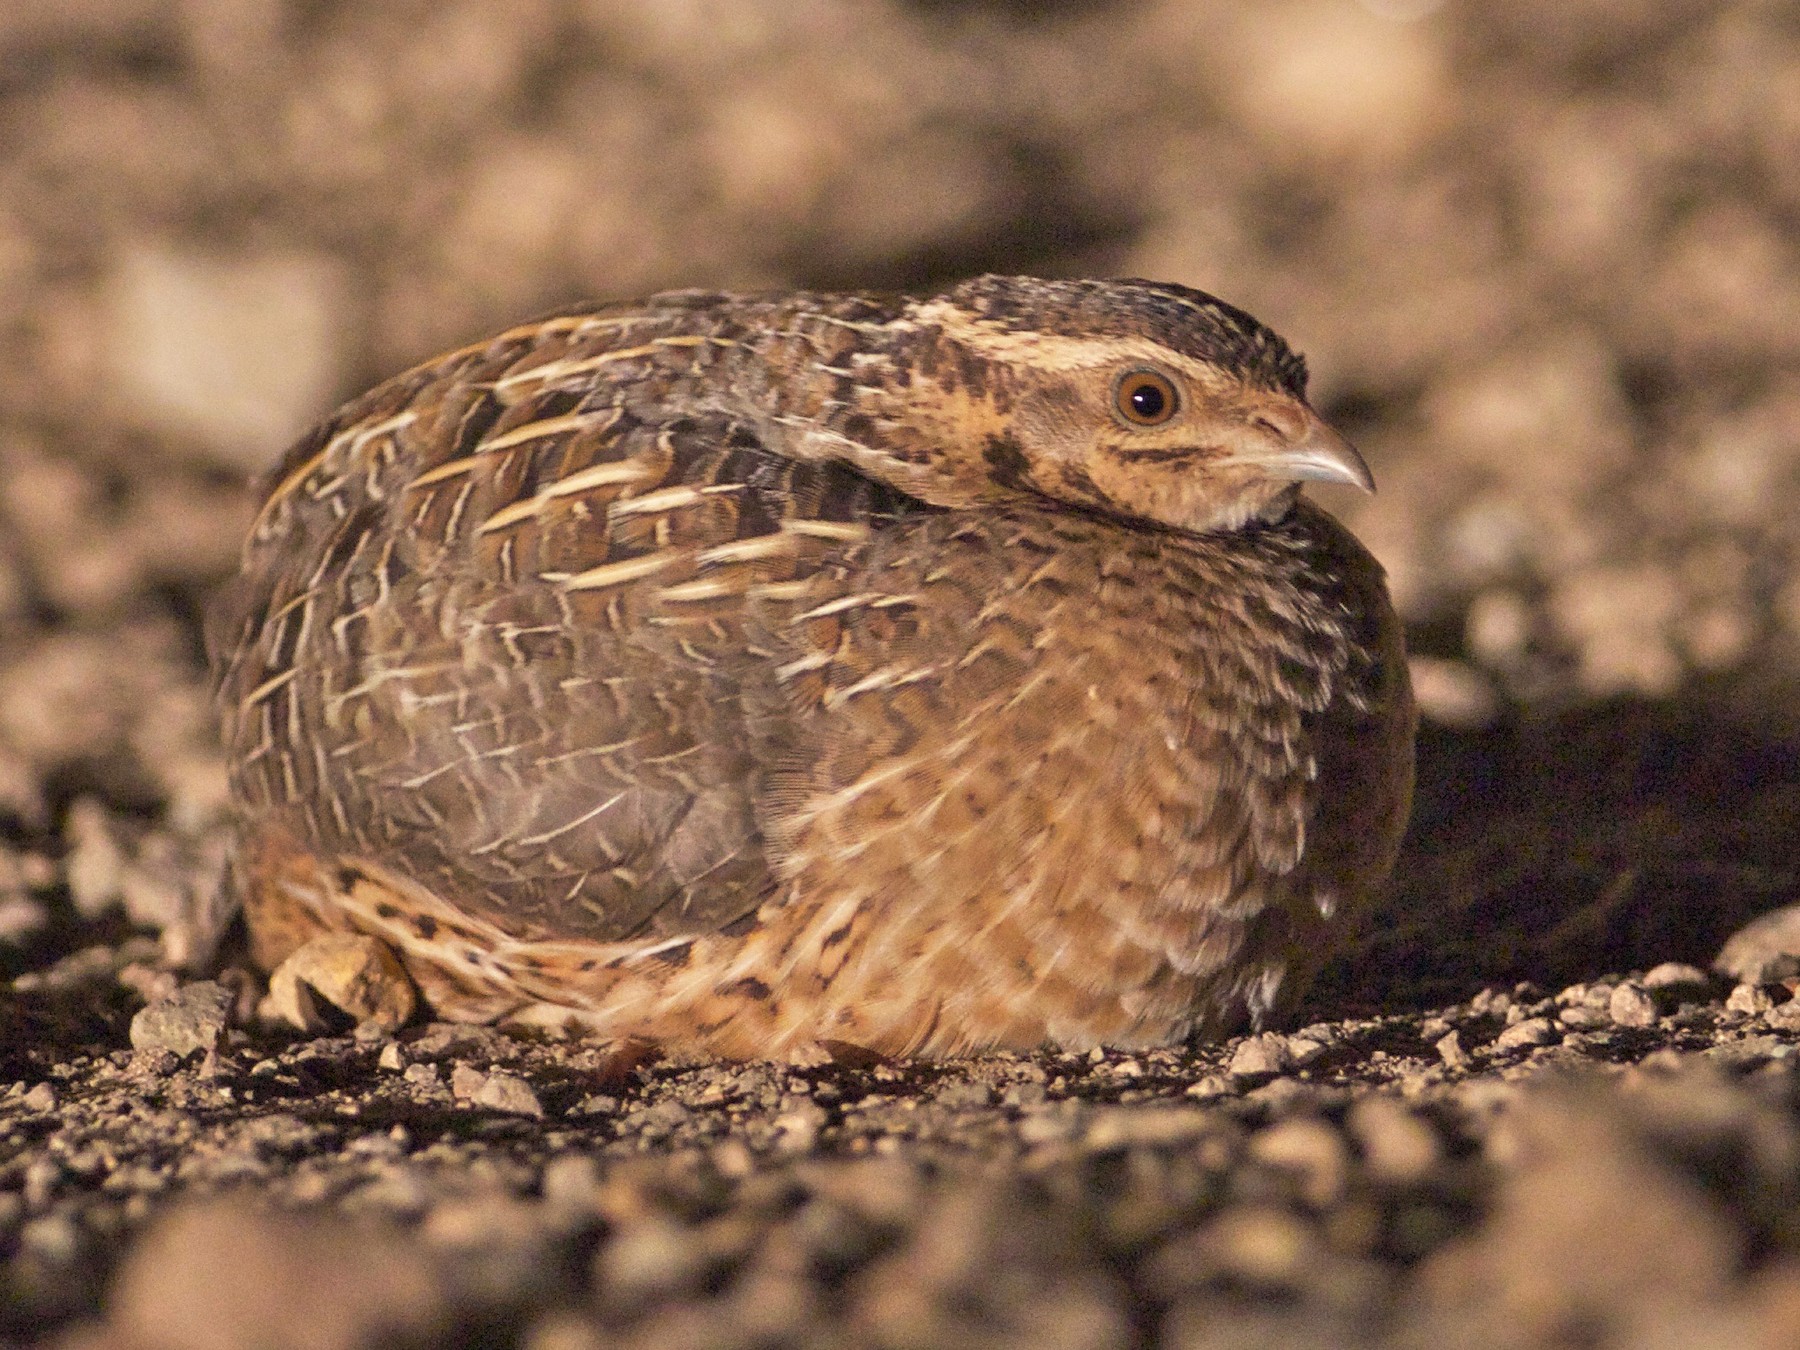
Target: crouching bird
x=742, y=673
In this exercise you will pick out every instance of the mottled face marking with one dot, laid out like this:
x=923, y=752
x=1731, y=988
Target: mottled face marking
x=1156, y=402
x=1176, y=319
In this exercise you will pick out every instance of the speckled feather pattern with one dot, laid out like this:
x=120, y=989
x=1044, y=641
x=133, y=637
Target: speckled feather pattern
x=710, y=672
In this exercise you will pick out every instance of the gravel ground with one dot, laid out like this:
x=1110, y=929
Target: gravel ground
x=1544, y=259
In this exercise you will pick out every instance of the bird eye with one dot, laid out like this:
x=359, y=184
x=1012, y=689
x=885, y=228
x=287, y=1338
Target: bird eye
x=1145, y=398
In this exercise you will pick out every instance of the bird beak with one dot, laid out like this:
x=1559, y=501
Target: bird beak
x=1319, y=455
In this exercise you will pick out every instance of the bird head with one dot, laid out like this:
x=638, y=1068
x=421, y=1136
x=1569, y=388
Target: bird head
x=1141, y=399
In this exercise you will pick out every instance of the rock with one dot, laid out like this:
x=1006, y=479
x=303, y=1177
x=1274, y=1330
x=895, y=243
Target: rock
x=989, y=1264
x=1784, y=1016
x=54, y=1239
x=224, y=1276
x=1306, y=111
x=357, y=974
x=1583, y=1018
x=1602, y=1220
x=21, y=918
x=240, y=352
x=1750, y=999
x=509, y=1093
x=1141, y=1126
x=566, y=1331
x=1532, y=1031
x=1450, y=1049
x=1397, y=1145
x=1631, y=1006
x=466, y=1081
x=1261, y=1246
x=188, y=1021
x=1453, y=693
x=497, y=1247
x=441, y=1040
x=96, y=862
x=1312, y=1151
x=1765, y=950
x=571, y=1184
x=1303, y=1050
x=797, y=1128
x=42, y=1177
x=654, y=1257
x=1261, y=1056
x=1677, y=977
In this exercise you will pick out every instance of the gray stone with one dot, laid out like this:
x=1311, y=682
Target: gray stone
x=509, y=1093
x=1261, y=1056
x=1450, y=1049
x=1532, y=1031
x=1750, y=999
x=238, y=352
x=1677, y=976
x=1631, y=1006
x=1765, y=950
x=1398, y=1146
x=1312, y=1151
x=189, y=1020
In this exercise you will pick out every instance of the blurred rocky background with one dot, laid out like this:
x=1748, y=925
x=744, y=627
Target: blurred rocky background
x=1544, y=257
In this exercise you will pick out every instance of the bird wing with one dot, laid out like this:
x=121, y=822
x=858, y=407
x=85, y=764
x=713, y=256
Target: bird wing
x=492, y=632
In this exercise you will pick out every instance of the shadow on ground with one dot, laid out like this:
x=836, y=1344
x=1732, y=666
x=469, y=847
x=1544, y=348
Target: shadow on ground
x=1608, y=838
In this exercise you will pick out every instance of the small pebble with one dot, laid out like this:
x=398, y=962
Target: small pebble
x=1531, y=1031
x=21, y=917
x=1676, y=975
x=54, y=1239
x=1141, y=1126
x=571, y=1181
x=1631, y=1006
x=1304, y=1050
x=797, y=1130
x=356, y=974
x=466, y=1081
x=42, y=1178
x=1398, y=1146
x=1764, y=951
x=189, y=1020
x=1263, y=1246
x=1261, y=1056
x=1749, y=999
x=226, y=1274
x=1450, y=1049
x=566, y=1331
x=1582, y=1018
x=1310, y=1149
x=95, y=867
x=1784, y=1016
x=509, y=1093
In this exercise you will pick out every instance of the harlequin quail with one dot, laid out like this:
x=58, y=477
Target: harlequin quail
x=744, y=673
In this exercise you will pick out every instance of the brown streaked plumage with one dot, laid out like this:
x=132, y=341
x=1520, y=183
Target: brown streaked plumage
x=739, y=673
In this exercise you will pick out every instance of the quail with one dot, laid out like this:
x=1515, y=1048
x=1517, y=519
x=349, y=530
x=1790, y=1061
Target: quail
x=745, y=673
